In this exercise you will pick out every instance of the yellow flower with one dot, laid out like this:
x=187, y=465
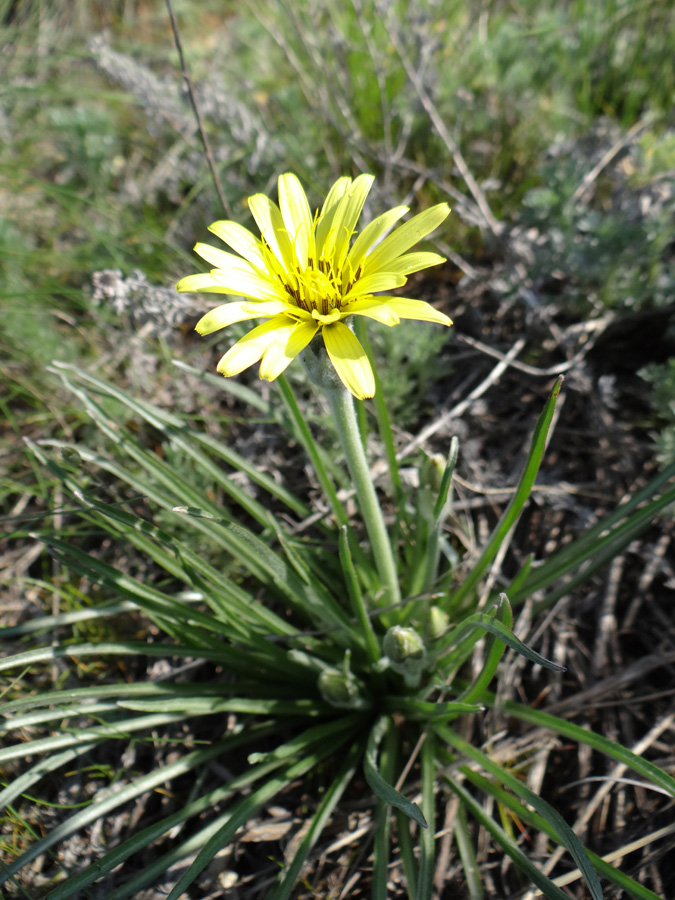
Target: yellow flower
x=305, y=275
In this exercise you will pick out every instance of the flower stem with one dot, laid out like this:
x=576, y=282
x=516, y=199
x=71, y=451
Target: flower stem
x=344, y=414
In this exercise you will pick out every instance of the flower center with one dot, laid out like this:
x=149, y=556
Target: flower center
x=316, y=289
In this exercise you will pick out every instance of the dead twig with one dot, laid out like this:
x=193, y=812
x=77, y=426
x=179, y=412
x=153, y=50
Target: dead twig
x=438, y=123
x=591, y=176
x=195, y=107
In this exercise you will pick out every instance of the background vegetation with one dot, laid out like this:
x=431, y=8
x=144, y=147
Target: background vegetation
x=547, y=126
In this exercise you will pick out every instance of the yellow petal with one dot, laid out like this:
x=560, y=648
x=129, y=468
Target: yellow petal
x=297, y=217
x=372, y=308
x=369, y=236
x=349, y=360
x=249, y=285
x=406, y=237
x=289, y=340
x=333, y=316
x=203, y=283
x=240, y=240
x=220, y=259
x=251, y=347
x=380, y=281
x=330, y=205
x=224, y=315
x=271, y=224
x=406, y=308
x=345, y=219
x=414, y=262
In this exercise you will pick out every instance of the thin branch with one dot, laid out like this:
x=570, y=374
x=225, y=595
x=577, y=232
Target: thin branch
x=195, y=107
x=438, y=123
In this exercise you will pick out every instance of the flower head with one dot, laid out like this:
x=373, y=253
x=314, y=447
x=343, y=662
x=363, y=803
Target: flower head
x=305, y=275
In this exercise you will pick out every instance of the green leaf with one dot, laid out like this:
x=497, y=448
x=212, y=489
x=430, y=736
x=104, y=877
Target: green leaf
x=585, y=736
x=331, y=798
x=500, y=631
x=525, y=814
x=513, y=510
x=565, y=835
x=242, y=811
x=545, y=885
x=382, y=789
x=494, y=650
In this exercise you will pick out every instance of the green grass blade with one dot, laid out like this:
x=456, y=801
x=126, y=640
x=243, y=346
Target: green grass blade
x=379, y=786
x=494, y=650
x=545, y=885
x=117, y=730
x=585, y=736
x=234, y=659
x=571, y=556
x=565, y=835
x=501, y=632
x=513, y=510
x=147, y=836
x=592, y=554
x=36, y=773
x=631, y=887
x=187, y=437
x=312, y=451
x=425, y=882
x=330, y=800
x=416, y=710
x=467, y=854
x=103, y=806
x=241, y=813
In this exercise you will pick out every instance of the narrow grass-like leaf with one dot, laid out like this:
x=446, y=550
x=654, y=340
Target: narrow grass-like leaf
x=525, y=814
x=48, y=623
x=590, y=552
x=494, y=650
x=416, y=710
x=235, y=659
x=103, y=806
x=119, y=729
x=206, y=706
x=467, y=854
x=389, y=760
x=379, y=786
x=330, y=800
x=406, y=848
x=311, y=449
x=565, y=835
x=356, y=597
x=241, y=813
x=513, y=510
x=187, y=437
x=41, y=717
x=545, y=885
x=425, y=881
x=585, y=736
x=36, y=773
x=446, y=480
x=147, y=836
x=501, y=632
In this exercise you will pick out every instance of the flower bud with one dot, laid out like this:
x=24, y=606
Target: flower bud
x=436, y=623
x=340, y=689
x=406, y=653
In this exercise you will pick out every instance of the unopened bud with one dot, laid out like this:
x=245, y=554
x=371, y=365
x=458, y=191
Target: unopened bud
x=340, y=689
x=435, y=624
